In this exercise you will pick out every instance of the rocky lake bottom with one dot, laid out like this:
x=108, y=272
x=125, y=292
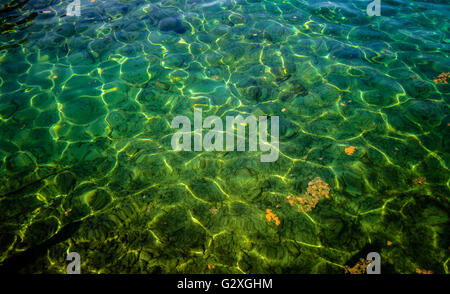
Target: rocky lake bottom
x=86, y=161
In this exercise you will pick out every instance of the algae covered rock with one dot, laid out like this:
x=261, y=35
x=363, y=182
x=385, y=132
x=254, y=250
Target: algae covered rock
x=40, y=231
x=291, y=89
x=275, y=32
x=96, y=229
x=65, y=182
x=86, y=105
x=125, y=124
x=225, y=247
x=20, y=163
x=242, y=179
x=84, y=110
x=134, y=71
x=7, y=109
x=153, y=100
x=207, y=190
x=175, y=227
x=98, y=199
x=338, y=231
x=172, y=23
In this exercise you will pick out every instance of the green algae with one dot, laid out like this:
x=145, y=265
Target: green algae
x=87, y=165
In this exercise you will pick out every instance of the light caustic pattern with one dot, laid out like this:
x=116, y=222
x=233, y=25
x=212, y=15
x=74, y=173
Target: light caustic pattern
x=87, y=166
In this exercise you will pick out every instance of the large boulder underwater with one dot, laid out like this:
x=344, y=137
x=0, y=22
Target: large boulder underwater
x=172, y=23
x=167, y=20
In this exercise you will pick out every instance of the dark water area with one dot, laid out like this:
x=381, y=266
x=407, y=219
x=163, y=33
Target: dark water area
x=87, y=166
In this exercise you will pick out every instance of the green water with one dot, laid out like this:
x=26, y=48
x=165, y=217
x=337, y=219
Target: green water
x=86, y=162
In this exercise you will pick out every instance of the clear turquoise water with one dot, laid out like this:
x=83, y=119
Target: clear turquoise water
x=86, y=163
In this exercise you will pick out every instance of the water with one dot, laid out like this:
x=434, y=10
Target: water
x=87, y=165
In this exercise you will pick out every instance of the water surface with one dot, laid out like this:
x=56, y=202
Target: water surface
x=86, y=163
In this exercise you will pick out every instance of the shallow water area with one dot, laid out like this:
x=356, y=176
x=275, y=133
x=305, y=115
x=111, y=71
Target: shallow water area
x=86, y=161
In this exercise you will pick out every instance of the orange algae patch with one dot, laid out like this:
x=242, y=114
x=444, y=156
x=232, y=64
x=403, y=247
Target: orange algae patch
x=423, y=272
x=350, y=150
x=66, y=213
x=442, y=78
x=270, y=216
x=359, y=268
x=291, y=200
x=316, y=190
x=419, y=181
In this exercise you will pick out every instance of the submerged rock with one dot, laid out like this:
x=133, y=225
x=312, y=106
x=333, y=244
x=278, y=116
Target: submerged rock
x=98, y=199
x=20, y=162
x=291, y=89
x=84, y=110
x=172, y=23
x=65, y=182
